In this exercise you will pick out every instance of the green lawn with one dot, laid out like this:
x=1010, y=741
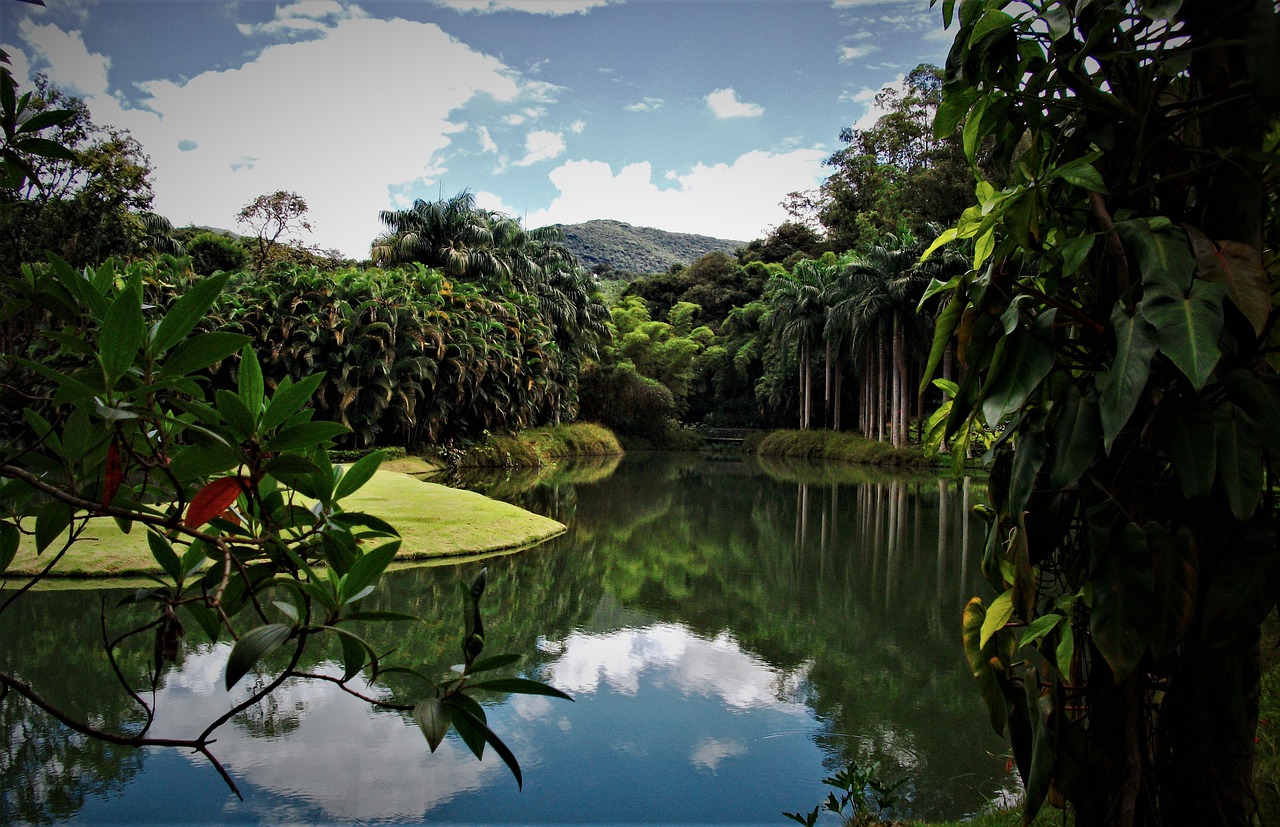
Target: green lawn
x=434, y=522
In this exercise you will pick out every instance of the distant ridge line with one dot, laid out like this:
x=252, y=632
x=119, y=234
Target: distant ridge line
x=618, y=249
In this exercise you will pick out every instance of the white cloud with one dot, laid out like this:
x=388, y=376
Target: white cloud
x=848, y=53
x=577, y=127
x=303, y=16
x=725, y=104
x=65, y=59
x=867, y=97
x=258, y=129
x=487, y=144
x=644, y=105
x=738, y=201
x=541, y=145
x=552, y=7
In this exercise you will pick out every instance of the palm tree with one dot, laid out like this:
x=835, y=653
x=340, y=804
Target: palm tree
x=795, y=321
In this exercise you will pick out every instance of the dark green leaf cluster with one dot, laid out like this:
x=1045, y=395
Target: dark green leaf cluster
x=1117, y=330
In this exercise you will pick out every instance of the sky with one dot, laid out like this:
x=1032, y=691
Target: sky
x=694, y=116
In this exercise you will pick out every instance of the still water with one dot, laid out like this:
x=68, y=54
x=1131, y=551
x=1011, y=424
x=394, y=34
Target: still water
x=731, y=632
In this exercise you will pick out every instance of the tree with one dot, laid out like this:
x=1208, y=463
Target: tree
x=86, y=200
x=211, y=252
x=120, y=428
x=1118, y=327
x=270, y=218
x=893, y=177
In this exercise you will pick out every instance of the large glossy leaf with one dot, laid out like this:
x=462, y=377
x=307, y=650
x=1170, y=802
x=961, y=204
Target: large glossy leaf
x=306, y=436
x=52, y=519
x=1028, y=457
x=1163, y=253
x=1244, y=588
x=1076, y=436
x=1123, y=597
x=520, y=686
x=1187, y=327
x=1124, y=382
x=9, y=538
x=463, y=717
x=1043, y=752
x=1029, y=360
x=252, y=647
x=1239, y=451
x=366, y=569
x=1184, y=428
x=250, y=384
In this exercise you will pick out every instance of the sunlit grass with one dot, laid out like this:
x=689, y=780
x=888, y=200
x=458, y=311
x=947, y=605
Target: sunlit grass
x=837, y=446
x=434, y=521
x=541, y=446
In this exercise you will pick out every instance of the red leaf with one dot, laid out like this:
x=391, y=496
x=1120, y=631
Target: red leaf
x=214, y=499
x=115, y=473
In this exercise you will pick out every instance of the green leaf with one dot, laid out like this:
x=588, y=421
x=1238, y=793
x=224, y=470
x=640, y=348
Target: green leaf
x=163, y=553
x=1043, y=751
x=1239, y=454
x=288, y=399
x=123, y=331
x=357, y=475
x=1238, y=266
x=9, y=539
x=1163, y=253
x=980, y=659
x=52, y=519
x=1029, y=360
x=1040, y=627
x=367, y=569
x=252, y=647
x=1122, y=598
x=1125, y=382
x=250, y=384
x=45, y=148
x=1028, y=457
x=433, y=718
x=520, y=686
x=997, y=616
x=1185, y=429
x=207, y=618
x=1076, y=436
x=305, y=436
x=199, y=352
x=1066, y=649
x=1187, y=327
x=356, y=519
x=187, y=312
x=237, y=416
x=491, y=663
x=354, y=652
x=1081, y=173
x=380, y=616
x=494, y=741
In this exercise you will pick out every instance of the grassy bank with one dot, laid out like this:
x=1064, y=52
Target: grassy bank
x=434, y=522
x=541, y=446
x=837, y=446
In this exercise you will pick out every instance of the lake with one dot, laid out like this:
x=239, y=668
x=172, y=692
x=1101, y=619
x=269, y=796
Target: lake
x=731, y=631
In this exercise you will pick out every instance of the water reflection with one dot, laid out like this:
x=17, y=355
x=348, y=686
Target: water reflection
x=730, y=631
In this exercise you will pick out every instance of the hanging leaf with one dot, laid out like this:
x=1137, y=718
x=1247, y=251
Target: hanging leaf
x=1123, y=593
x=433, y=718
x=980, y=659
x=997, y=616
x=252, y=647
x=1239, y=451
x=123, y=330
x=1185, y=429
x=1076, y=436
x=213, y=499
x=1122, y=386
x=1017, y=378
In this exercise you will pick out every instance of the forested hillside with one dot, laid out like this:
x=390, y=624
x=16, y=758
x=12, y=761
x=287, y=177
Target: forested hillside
x=605, y=246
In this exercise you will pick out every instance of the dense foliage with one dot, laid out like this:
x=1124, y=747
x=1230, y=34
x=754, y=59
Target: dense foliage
x=1118, y=326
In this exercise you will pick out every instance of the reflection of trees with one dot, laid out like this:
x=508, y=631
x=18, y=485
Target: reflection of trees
x=861, y=572
x=51, y=640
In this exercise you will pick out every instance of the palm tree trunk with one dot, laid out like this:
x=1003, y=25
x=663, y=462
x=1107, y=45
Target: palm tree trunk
x=896, y=409
x=826, y=388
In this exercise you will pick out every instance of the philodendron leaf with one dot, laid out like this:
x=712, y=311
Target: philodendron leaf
x=1239, y=267
x=433, y=719
x=998, y=615
x=1187, y=327
x=1124, y=383
x=1239, y=450
x=980, y=659
x=1019, y=377
x=1076, y=436
x=1122, y=596
x=252, y=647
x=1185, y=430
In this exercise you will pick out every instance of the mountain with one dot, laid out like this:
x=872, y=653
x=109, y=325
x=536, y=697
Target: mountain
x=602, y=245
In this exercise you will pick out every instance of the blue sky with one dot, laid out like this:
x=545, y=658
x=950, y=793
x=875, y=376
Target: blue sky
x=688, y=115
